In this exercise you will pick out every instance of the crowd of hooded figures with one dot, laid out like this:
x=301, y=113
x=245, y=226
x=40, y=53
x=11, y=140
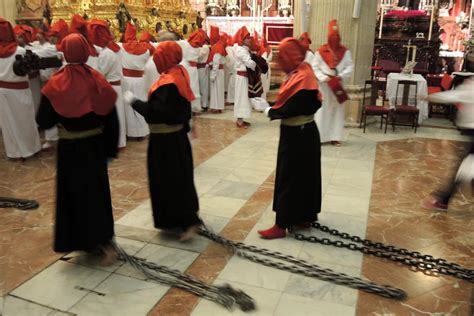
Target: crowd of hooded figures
x=107, y=91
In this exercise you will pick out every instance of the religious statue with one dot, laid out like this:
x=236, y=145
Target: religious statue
x=123, y=17
x=284, y=8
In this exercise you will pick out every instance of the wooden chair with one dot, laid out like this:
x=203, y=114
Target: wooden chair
x=402, y=105
x=370, y=107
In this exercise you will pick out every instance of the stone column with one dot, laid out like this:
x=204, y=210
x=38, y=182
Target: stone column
x=8, y=10
x=357, y=34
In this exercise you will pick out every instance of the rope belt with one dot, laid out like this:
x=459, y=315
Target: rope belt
x=165, y=128
x=297, y=120
x=65, y=134
x=14, y=85
x=201, y=65
x=192, y=63
x=242, y=73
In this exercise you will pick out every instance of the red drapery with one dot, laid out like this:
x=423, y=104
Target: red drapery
x=276, y=32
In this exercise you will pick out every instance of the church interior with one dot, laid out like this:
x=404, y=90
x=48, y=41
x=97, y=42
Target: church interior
x=373, y=185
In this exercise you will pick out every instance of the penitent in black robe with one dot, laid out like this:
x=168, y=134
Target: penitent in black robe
x=170, y=161
x=297, y=195
x=84, y=218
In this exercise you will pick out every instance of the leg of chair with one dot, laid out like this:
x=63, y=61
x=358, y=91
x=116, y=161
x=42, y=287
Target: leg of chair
x=365, y=121
x=381, y=121
x=361, y=118
x=393, y=120
x=416, y=121
x=429, y=109
x=386, y=123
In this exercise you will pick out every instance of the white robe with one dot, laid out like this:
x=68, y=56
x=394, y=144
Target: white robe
x=17, y=113
x=266, y=78
x=330, y=117
x=242, y=105
x=203, y=73
x=136, y=124
x=191, y=54
x=217, y=83
x=230, y=69
x=150, y=76
x=110, y=65
x=48, y=50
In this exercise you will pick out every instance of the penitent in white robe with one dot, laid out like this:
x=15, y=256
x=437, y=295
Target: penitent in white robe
x=189, y=61
x=242, y=105
x=330, y=117
x=230, y=73
x=136, y=124
x=217, y=83
x=17, y=113
x=48, y=50
x=110, y=65
x=203, y=73
x=266, y=78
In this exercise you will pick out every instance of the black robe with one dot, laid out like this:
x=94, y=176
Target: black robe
x=297, y=195
x=170, y=161
x=84, y=218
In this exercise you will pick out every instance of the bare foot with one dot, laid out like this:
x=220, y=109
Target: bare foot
x=109, y=257
x=189, y=233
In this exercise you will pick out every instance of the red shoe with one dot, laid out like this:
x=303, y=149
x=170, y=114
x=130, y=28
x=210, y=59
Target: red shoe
x=273, y=233
x=247, y=123
x=433, y=203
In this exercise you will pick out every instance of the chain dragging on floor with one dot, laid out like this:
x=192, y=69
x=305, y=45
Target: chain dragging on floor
x=418, y=261
x=21, y=204
x=224, y=295
x=298, y=266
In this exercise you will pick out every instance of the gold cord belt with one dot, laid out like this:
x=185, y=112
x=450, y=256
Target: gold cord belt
x=165, y=128
x=297, y=120
x=65, y=134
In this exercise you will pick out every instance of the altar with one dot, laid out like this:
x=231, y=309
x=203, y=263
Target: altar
x=273, y=28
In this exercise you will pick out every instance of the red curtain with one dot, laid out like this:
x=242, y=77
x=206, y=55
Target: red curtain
x=276, y=32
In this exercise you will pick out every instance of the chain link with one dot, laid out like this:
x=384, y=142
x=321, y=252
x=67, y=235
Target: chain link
x=298, y=266
x=20, y=204
x=425, y=263
x=224, y=295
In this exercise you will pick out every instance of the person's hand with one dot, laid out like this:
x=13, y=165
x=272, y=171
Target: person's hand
x=129, y=97
x=266, y=111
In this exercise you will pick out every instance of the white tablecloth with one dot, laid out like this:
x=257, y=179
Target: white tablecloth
x=392, y=82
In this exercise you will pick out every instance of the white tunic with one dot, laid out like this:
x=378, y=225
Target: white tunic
x=266, y=78
x=110, y=65
x=242, y=106
x=45, y=51
x=203, y=73
x=136, y=124
x=150, y=76
x=330, y=117
x=191, y=56
x=230, y=73
x=217, y=82
x=17, y=113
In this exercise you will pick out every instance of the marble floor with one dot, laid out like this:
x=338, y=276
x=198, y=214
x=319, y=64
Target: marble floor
x=372, y=187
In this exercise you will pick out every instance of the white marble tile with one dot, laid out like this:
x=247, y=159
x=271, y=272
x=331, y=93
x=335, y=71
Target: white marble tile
x=207, y=171
x=198, y=243
x=303, y=306
x=326, y=256
x=358, y=165
x=220, y=205
x=348, y=190
x=222, y=160
x=325, y=291
x=14, y=306
x=89, y=260
x=266, y=301
x=246, y=272
x=122, y=296
x=171, y=257
x=260, y=164
x=141, y=217
x=249, y=176
x=204, y=184
x=66, y=284
x=353, y=206
x=233, y=189
x=354, y=225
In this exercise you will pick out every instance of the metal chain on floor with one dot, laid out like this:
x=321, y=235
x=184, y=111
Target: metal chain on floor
x=425, y=263
x=224, y=295
x=21, y=204
x=302, y=267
